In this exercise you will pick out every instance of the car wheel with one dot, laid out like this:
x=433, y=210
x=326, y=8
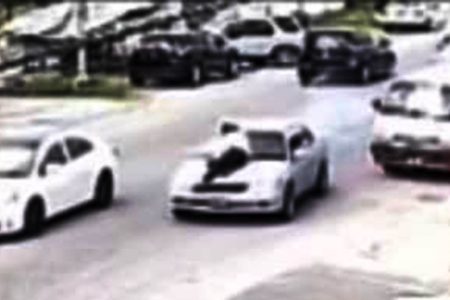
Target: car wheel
x=322, y=182
x=390, y=170
x=304, y=78
x=233, y=68
x=196, y=75
x=34, y=218
x=285, y=56
x=104, y=191
x=180, y=214
x=288, y=210
x=137, y=81
x=364, y=75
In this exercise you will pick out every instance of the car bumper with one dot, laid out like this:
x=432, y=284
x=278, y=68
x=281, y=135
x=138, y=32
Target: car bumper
x=224, y=205
x=433, y=158
x=10, y=221
x=176, y=71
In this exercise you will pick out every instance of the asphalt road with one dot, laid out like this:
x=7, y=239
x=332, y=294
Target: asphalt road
x=137, y=251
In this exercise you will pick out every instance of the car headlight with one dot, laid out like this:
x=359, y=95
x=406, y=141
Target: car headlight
x=12, y=198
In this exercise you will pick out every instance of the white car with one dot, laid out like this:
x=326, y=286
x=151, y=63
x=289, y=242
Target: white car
x=251, y=166
x=259, y=39
x=412, y=126
x=45, y=171
x=426, y=15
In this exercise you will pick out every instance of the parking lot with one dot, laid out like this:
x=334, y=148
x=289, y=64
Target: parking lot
x=382, y=236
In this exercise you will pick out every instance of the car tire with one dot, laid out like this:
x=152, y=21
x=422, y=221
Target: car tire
x=137, y=81
x=180, y=214
x=196, y=75
x=390, y=170
x=304, y=79
x=233, y=68
x=322, y=182
x=104, y=191
x=34, y=218
x=288, y=210
x=285, y=56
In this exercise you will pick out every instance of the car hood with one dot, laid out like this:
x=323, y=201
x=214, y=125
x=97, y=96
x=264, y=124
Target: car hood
x=192, y=172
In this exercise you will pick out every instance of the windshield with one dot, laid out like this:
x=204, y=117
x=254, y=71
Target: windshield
x=267, y=146
x=287, y=24
x=16, y=160
x=417, y=99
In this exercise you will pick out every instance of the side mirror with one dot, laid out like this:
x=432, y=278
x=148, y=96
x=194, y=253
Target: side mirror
x=52, y=169
x=376, y=104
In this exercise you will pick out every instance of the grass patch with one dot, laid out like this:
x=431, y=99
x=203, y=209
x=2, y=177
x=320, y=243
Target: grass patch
x=359, y=17
x=55, y=85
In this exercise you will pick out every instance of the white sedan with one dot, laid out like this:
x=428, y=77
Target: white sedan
x=252, y=166
x=45, y=171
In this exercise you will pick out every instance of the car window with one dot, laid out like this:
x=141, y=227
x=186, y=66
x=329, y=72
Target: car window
x=249, y=28
x=55, y=155
x=267, y=145
x=78, y=147
x=287, y=24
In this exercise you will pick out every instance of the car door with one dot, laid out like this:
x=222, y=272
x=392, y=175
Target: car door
x=253, y=37
x=57, y=184
x=81, y=166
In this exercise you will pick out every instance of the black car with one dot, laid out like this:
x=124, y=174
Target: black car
x=190, y=57
x=364, y=54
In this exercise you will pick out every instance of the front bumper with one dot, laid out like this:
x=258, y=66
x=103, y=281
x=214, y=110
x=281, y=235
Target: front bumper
x=224, y=205
x=10, y=221
x=390, y=154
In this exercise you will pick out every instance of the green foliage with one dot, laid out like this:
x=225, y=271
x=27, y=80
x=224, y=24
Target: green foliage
x=57, y=85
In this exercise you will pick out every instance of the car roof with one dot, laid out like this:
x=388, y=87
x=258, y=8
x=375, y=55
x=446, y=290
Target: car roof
x=285, y=125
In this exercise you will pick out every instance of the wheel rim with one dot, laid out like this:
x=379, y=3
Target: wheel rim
x=365, y=74
x=234, y=67
x=286, y=57
x=196, y=76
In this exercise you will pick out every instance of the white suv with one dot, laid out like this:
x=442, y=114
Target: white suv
x=44, y=172
x=412, y=126
x=278, y=39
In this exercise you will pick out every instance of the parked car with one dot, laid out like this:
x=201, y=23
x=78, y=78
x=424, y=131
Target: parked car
x=412, y=125
x=192, y=57
x=345, y=51
x=276, y=39
x=44, y=172
x=257, y=166
x=413, y=14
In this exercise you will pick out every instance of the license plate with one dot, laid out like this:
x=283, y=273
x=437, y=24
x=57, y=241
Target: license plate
x=219, y=203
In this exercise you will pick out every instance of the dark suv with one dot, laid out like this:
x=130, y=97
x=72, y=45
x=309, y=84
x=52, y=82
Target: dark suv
x=365, y=54
x=191, y=57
